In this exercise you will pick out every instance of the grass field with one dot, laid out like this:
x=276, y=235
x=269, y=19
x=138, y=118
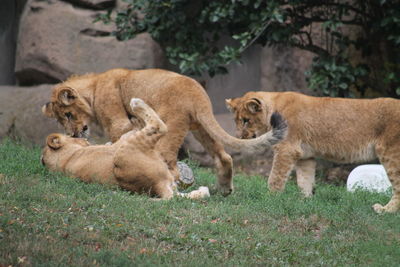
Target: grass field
x=47, y=219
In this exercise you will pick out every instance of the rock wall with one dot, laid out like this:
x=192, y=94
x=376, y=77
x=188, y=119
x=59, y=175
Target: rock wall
x=10, y=11
x=241, y=78
x=262, y=69
x=282, y=69
x=57, y=39
x=21, y=115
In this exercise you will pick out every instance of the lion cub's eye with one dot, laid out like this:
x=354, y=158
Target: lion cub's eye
x=68, y=115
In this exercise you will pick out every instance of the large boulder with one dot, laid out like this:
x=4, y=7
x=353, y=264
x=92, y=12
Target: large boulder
x=57, y=39
x=93, y=4
x=21, y=116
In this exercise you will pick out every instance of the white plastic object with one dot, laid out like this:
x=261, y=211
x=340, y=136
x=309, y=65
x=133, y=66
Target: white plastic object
x=370, y=177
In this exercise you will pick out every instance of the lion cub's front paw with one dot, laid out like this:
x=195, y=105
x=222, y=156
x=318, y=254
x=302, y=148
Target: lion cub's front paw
x=378, y=208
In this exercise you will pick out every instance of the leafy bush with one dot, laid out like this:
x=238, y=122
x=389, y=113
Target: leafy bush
x=204, y=36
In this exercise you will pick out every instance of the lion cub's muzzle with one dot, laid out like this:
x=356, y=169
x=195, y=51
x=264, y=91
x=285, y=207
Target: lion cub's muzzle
x=82, y=134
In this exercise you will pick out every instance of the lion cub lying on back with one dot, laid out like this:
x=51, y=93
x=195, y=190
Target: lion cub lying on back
x=131, y=162
x=336, y=129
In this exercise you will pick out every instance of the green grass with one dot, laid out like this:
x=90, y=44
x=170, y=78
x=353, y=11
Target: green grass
x=47, y=219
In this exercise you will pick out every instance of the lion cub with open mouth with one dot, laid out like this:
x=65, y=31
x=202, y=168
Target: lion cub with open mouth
x=131, y=163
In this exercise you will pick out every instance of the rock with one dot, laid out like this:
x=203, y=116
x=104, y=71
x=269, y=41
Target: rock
x=186, y=176
x=93, y=4
x=261, y=69
x=242, y=77
x=282, y=69
x=121, y=5
x=56, y=40
x=21, y=115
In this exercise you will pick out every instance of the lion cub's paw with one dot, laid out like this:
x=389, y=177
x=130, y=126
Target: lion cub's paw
x=389, y=208
x=200, y=193
x=378, y=208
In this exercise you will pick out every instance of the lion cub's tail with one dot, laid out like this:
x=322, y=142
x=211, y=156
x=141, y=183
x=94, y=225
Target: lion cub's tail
x=259, y=144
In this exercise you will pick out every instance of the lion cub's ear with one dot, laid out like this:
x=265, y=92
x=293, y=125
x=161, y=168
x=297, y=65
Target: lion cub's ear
x=67, y=96
x=229, y=104
x=254, y=105
x=48, y=110
x=54, y=141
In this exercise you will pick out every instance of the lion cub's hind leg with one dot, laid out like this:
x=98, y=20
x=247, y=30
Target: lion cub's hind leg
x=222, y=160
x=305, y=174
x=153, y=122
x=165, y=189
x=390, y=159
x=138, y=166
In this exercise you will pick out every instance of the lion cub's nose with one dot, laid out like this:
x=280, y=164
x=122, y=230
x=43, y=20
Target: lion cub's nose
x=85, y=128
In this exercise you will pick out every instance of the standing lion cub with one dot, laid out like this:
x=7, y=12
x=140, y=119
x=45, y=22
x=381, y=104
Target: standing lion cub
x=336, y=129
x=132, y=162
x=180, y=102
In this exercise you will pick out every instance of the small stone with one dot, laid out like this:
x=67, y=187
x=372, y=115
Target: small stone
x=186, y=178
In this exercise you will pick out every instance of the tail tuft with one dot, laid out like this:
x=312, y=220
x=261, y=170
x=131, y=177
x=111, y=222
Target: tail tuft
x=279, y=127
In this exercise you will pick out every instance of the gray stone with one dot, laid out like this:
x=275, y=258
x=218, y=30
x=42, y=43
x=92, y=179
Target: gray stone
x=186, y=176
x=57, y=40
x=93, y=4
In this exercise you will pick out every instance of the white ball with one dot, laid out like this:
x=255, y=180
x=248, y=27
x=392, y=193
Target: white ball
x=370, y=177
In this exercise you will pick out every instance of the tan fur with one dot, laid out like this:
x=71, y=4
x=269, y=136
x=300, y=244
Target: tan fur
x=336, y=129
x=180, y=101
x=132, y=162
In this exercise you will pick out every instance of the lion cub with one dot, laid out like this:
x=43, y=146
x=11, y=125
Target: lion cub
x=336, y=129
x=181, y=102
x=132, y=162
